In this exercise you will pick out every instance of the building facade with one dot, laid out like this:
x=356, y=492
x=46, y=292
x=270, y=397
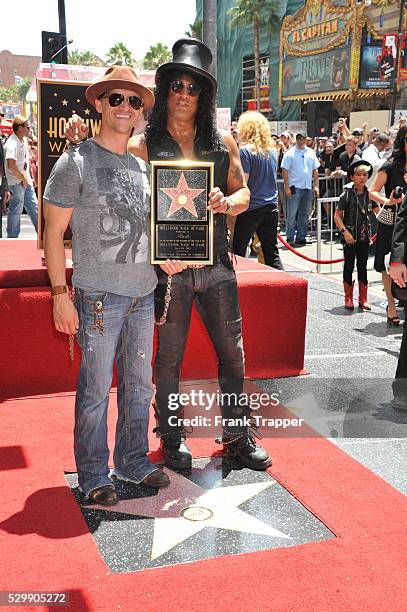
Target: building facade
x=16, y=67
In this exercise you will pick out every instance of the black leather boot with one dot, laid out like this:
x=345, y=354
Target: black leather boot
x=175, y=450
x=173, y=445
x=244, y=448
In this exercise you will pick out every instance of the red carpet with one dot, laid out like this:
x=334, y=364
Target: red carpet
x=273, y=305
x=45, y=544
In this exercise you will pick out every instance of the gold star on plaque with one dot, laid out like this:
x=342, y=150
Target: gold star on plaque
x=182, y=196
x=86, y=111
x=64, y=102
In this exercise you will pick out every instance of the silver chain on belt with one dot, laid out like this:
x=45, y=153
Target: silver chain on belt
x=167, y=300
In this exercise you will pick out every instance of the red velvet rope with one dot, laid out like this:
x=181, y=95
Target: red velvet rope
x=320, y=261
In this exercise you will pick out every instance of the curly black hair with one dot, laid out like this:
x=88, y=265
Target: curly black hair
x=205, y=119
x=399, y=153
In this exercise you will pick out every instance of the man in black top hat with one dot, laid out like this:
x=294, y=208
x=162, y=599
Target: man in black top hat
x=182, y=125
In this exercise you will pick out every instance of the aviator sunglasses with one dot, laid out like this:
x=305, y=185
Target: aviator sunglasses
x=193, y=89
x=115, y=99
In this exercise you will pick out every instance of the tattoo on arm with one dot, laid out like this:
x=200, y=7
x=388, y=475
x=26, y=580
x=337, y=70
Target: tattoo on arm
x=237, y=174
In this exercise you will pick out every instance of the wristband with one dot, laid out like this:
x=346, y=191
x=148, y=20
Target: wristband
x=343, y=230
x=58, y=289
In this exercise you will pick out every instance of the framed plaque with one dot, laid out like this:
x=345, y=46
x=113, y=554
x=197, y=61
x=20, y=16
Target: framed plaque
x=181, y=224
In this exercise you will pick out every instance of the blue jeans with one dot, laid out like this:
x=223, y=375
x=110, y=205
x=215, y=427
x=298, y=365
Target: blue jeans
x=298, y=212
x=20, y=198
x=215, y=290
x=127, y=325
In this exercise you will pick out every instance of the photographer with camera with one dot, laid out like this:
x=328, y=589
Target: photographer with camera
x=392, y=176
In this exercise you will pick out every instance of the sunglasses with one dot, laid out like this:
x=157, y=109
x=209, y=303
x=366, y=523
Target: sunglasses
x=193, y=89
x=115, y=99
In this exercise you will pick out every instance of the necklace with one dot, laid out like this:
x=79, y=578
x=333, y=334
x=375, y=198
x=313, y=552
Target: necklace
x=127, y=168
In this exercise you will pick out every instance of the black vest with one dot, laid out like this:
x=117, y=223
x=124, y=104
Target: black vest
x=168, y=149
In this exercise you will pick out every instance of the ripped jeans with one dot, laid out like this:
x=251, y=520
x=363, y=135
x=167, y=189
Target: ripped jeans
x=215, y=290
x=113, y=327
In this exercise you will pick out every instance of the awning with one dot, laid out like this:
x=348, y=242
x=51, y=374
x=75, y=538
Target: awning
x=341, y=95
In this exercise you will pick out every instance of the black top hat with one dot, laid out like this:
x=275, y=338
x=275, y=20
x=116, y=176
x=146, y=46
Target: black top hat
x=192, y=56
x=359, y=162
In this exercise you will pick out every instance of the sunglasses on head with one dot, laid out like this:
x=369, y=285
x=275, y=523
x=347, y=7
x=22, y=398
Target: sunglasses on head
x=192, y=89
x=115, y=99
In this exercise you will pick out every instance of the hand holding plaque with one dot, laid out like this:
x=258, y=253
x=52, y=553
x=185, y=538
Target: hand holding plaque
x=181, y=224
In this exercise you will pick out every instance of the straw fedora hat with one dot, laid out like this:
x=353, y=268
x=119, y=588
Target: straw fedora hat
x=120, y=77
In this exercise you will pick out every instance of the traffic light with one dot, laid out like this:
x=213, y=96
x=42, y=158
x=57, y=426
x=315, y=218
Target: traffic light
x=52, y=43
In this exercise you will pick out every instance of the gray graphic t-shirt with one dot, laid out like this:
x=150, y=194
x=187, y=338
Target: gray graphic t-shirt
x=110, y=195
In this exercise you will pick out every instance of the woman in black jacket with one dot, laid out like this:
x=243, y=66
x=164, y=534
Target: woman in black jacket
x=398, y=272
x=391, y=174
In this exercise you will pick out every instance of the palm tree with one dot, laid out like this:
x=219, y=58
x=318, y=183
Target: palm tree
x=157, y=54
x=195, y=29
x=84, y=58
x=120, y=55
x=23, y=88
x=255, y=13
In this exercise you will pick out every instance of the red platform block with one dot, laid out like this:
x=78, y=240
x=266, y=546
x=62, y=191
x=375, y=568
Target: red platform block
x=35, y=358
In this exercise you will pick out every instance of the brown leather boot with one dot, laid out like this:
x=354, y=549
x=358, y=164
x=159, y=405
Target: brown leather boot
x=348, y=295
x=363, y=303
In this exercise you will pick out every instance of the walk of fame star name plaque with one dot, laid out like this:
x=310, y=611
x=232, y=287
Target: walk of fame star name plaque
x=181, y=224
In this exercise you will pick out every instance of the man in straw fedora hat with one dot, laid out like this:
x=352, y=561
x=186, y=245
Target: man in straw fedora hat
x=182, y=125
x=102, y=191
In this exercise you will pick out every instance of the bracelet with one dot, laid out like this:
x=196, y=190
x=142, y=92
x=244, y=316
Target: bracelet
x=229, y=205
x=58, y=289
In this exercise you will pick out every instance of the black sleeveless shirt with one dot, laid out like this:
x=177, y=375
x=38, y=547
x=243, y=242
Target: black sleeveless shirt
x=167, y=149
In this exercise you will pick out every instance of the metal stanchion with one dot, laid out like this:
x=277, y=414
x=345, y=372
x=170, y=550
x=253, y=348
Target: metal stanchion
x=319, y=228
x=331, y=214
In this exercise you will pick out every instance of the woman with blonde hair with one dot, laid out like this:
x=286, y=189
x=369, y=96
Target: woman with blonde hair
x=259, y=156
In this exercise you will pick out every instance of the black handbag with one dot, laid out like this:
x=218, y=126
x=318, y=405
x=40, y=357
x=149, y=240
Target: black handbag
x=399, y=293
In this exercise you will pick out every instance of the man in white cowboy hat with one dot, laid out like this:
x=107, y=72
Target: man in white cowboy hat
x=102, y=191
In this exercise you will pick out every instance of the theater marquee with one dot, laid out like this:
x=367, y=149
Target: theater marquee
x=326, y=49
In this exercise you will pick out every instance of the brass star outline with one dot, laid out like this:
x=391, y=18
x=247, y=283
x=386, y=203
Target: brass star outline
x=182, y=196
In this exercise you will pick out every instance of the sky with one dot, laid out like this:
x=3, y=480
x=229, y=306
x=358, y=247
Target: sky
x=98, y=25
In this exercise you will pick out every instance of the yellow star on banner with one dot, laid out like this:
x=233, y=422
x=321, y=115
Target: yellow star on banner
x=86, y=111
x=78, y=100
x=182, y=196
x=55, y=94
x=64, y=102
x=49, y=107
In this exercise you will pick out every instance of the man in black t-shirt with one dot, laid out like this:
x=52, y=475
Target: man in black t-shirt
x=347, y=157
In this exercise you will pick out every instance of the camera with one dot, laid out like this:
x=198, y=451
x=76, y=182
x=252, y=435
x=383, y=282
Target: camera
x=398, y=193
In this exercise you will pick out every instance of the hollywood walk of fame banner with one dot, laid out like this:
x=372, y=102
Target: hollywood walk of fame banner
x=181, y=224
x=57, y=101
